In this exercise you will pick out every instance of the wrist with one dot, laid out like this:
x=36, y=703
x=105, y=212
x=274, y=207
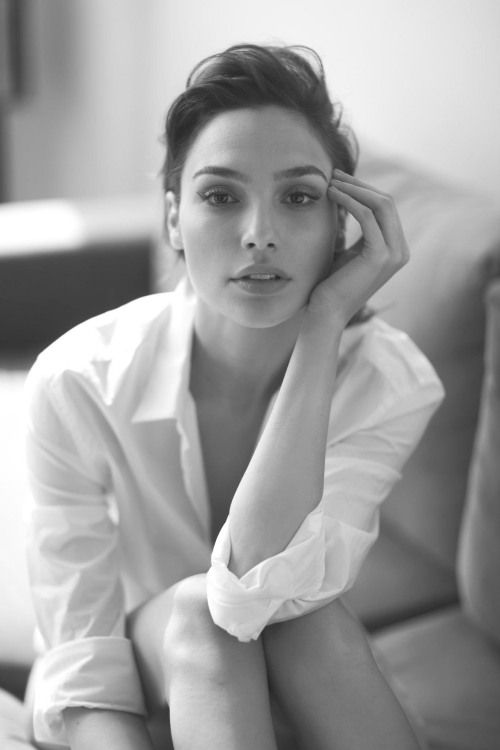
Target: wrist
x=322, y=327
x=313, y=363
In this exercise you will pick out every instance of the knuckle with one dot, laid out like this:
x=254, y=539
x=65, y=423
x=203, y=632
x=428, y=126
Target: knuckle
x=386, y=200
x=405, y=253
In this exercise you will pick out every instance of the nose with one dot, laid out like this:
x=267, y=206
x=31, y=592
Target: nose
x=258, y=231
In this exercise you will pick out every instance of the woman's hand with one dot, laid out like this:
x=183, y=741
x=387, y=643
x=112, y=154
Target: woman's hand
x=382, y=250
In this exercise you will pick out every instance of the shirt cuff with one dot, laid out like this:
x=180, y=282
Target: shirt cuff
x=97, y=672
x=244, y=606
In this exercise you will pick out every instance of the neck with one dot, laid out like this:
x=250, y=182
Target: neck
x=238, y=364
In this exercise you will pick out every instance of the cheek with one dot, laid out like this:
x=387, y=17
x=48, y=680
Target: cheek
x=202, y=229
x=204, y=253
x=325, y=262
x=319, y=235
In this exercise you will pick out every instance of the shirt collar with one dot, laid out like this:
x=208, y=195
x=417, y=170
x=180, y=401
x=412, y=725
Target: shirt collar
x=167, y=386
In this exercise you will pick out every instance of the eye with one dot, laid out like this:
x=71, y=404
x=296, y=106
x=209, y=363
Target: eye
x=301, y=198
x=217, y=196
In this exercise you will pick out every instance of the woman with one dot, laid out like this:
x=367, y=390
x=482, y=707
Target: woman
x=207, y=465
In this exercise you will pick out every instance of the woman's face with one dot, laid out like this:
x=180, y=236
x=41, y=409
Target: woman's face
x=254, y=220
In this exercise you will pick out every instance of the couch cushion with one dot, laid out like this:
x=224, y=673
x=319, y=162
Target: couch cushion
x=13, y=724
x=479, y=551
x=398, y=581
x=447, y=676
x=437, y=299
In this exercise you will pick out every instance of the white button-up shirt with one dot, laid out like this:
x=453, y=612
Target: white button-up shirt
x=120, y=509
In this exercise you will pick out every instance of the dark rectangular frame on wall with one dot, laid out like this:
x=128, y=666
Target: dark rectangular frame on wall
x=13, y=72
x=12, y=50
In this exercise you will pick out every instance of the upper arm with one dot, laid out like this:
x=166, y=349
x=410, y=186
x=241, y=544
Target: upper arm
x=72, y=537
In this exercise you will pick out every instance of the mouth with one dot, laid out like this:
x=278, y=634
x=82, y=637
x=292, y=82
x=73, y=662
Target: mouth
x=259, y=277
x=261, y=273
x=256, y=280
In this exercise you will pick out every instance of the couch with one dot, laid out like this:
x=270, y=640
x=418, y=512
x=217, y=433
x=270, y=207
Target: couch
x=428, y=592
x=445, y=665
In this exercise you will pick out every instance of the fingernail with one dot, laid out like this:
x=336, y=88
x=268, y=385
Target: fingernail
x=338, y=171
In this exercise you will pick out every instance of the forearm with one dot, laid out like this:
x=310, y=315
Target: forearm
x=92, y=729
x=284, y=480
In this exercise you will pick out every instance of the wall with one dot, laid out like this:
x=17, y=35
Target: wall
x=419, y=78
x=83, y=128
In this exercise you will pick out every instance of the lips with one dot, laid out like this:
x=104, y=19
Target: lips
x=261, y=281
x=261, y=273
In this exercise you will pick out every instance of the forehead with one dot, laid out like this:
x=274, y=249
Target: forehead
x=271, y=135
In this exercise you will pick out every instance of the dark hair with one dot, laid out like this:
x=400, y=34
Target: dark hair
x=249, y=75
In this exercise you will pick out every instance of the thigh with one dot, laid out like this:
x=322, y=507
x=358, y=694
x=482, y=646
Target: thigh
x=328, y=633
x=283, y=729
x=307, y=656
x=322, y=670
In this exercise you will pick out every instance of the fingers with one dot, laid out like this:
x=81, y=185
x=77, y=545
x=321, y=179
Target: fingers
x=380, y=252
x=345, y=177
x=374, y=210
x=380, y=203
x=370, y=228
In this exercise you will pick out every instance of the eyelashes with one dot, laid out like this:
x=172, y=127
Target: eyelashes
x=302, y=197
x=217, y=197
x=297, y=197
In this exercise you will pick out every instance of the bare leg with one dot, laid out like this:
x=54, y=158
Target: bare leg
x=324, y=676
x=215, y=686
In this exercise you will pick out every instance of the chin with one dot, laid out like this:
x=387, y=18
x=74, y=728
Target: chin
x=264, y=316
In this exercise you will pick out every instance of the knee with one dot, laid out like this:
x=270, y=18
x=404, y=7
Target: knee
x=173, y=633
x=195, y=647
x=191, y=638
x=189, y=622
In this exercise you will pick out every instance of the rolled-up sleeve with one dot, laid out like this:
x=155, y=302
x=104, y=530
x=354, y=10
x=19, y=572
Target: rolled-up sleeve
x=95, y=672
x=73, y=560
x=324, y=557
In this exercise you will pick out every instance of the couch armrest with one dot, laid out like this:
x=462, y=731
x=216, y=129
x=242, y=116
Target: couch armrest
x=479, y=549
x=62, y=262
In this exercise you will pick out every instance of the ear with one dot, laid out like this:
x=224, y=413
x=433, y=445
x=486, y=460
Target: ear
x=172, y=220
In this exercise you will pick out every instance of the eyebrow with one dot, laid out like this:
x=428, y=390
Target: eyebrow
x=299, y=171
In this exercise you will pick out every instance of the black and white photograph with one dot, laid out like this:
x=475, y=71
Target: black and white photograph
x=249, y=375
